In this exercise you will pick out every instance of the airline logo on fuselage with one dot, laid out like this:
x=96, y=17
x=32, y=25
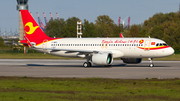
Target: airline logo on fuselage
x=141, y=41
x=31, y=28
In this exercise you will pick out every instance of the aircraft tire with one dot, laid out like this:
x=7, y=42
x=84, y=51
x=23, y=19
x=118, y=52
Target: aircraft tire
x=151, y=65
x=87, y=64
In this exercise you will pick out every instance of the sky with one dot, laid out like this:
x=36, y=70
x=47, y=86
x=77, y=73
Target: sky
x=137, y=10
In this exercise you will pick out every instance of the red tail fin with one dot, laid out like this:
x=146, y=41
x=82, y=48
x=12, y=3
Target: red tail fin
x=32, y=30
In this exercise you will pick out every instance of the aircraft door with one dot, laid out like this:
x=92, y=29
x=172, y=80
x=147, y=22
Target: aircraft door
x=44, y=45
x=147, y=45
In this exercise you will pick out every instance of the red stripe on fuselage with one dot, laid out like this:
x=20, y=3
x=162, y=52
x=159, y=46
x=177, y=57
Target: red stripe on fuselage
x=154, y=48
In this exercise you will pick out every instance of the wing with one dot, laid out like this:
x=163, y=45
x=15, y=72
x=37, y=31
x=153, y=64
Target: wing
x=116, y=53
x=72, y=50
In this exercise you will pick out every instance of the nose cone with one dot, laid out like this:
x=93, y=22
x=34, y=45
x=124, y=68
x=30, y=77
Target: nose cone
x=170, y=51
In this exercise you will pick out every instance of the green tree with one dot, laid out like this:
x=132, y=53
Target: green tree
x=156, y=32
x=70, y=27
x=134, y=31
x=88, y=29
x=2, y=42
x=104, y=26
x=116, y=31
x=53, y=28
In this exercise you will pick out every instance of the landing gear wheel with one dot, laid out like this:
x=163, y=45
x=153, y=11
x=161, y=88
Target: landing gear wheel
x=151, y=65
x=87, y=64
x=151, y=62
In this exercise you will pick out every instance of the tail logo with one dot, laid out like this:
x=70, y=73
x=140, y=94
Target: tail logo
x=31, y=28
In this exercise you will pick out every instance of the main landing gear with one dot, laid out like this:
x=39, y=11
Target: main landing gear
x=151, y=62
x=87, y=64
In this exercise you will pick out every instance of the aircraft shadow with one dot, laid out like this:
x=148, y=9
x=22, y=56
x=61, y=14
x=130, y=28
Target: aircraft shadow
x=95, y=66
x=54, y=65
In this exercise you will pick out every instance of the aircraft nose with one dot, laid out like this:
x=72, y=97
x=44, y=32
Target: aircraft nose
x=170, y=51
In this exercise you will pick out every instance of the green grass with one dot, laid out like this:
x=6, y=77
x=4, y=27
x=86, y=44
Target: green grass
x=175, y=57
x=88, y=89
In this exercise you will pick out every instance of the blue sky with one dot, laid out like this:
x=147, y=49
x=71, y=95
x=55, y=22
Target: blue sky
x=138, y=10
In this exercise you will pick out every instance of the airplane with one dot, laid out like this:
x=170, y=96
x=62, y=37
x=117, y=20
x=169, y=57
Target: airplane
x=98, y=51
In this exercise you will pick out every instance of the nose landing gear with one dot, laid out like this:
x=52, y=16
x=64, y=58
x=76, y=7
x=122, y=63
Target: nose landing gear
x=151, y=62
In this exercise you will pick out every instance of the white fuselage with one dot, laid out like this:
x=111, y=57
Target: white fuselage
x=119, y=47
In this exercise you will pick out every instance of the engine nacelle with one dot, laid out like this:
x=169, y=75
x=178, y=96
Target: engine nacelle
x=131, y=60
x=102, y=59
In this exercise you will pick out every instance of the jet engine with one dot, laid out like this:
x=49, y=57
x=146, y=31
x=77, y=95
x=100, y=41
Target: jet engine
x=102, y=59
x=131, y=60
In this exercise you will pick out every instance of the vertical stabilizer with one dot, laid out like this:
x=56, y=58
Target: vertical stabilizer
x=32, y=30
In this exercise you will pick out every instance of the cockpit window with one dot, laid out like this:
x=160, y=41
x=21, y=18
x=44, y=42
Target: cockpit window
x=164, y=44
x=161, y=44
